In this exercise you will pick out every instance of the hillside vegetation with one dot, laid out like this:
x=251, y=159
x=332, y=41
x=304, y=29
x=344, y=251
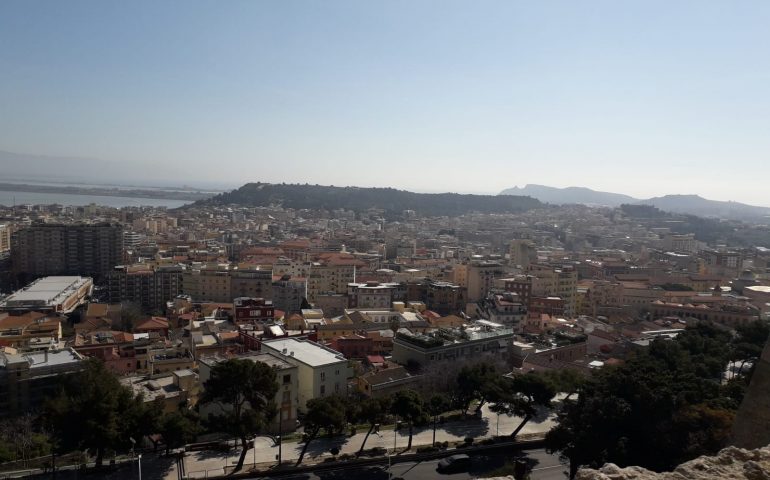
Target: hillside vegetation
x=390, y=200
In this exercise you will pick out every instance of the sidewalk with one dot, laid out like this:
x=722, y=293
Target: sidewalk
x=199, y=464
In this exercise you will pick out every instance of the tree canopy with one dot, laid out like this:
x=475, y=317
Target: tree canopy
x=325, y=413
x=93, y=411
x=663, y=406
x=245, y=392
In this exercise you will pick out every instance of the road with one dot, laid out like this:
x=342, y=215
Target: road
x=543, y=466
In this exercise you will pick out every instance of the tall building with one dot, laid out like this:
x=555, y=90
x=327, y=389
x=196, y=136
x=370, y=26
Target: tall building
x=5, y=238
x=555, y=281
x=481, y=277
x=329, y=278
x=57, y=249
x=150, y=288
x=288, y=293
x=522, y=252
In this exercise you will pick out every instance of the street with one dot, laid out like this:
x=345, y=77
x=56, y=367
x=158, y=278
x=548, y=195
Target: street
x=543, y=466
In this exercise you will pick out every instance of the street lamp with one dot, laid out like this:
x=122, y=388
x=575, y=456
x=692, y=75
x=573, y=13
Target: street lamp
x=139, y=461
x=390, y=465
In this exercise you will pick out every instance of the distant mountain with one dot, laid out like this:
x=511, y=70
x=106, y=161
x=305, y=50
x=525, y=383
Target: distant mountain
x=688, y=204
x=697, y=205
x=392, y=201
x=570, y=195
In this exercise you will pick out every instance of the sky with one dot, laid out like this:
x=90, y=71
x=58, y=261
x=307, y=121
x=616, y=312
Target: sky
x=641, y=97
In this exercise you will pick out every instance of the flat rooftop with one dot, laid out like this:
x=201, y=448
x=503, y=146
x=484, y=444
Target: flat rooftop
x=305, y=351
x=265, y=357
x=47, y=291
x=40, y=359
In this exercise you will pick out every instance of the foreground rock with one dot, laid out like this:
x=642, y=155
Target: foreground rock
x=731, y=463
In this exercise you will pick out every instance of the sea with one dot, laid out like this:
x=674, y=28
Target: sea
x=9, y=198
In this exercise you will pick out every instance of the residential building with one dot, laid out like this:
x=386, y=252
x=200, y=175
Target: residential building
x=480, y=340
x=28, y=379
x=321, y=371
x=385, y=382
x=288, y=293
x=481, y=277
x=287, y=398
x=223, y=283
x=5, y=238
x=31, y=330
x=176, y=390
x=370, y=294
x=149, y=287
x=253, y=311
x=522, y=252
x=555, y=281
x=62, y=249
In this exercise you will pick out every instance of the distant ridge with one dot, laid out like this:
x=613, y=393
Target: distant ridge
x=392, y=201
x=570, y=195
x=688, y=204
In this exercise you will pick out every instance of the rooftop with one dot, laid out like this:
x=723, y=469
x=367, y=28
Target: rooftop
x=305, y=351
x=41, y=359
x=47, y=291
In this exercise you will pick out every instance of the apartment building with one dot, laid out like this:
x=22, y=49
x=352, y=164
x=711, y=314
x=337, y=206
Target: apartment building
x=288, y=293
x=555, y=281
x=149, y=287
x=222, y=283
x=325, y=278
x=61, y=249
x=321, y=371
x=371, y=294
x=481, y=278
x=5, y=238
x=287, y=399
x=481, y=340
x=28, y=379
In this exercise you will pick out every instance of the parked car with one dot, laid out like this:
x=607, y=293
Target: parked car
x=455, y=463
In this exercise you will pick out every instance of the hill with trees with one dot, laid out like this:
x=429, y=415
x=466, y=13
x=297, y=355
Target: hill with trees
x=390, y=200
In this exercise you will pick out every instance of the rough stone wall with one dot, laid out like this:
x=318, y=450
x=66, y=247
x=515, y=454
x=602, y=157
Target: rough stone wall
x=731, y=463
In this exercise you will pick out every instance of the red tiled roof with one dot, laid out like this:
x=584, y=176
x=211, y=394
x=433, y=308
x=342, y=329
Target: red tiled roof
x=153, y=323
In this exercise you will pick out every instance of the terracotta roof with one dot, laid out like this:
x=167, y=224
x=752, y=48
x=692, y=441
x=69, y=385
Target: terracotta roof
x=97, y=310
x=375, y=359
x=20, y=321
x=152, y=323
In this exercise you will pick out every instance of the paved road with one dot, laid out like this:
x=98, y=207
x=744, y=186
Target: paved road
x=201, y=464
x=544, y=467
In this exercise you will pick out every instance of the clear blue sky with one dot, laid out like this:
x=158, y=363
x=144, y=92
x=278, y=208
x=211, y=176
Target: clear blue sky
x=639, y=97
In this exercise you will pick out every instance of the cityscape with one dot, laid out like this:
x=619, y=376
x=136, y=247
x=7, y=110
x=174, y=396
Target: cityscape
x=402, y=240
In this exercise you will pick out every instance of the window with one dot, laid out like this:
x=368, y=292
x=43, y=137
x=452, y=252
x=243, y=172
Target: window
x=286, y=379
x=336, y=387
x=323, y=376
x=286, y=397
x=337, y=372
x=323, y=389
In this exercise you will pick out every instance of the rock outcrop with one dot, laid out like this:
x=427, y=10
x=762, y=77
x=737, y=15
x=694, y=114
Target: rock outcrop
x=730, y=464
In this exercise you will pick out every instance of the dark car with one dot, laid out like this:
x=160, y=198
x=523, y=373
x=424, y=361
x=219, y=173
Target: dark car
x=455, y=463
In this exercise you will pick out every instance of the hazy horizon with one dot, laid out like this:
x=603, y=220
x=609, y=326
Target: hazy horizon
x=644, y=98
